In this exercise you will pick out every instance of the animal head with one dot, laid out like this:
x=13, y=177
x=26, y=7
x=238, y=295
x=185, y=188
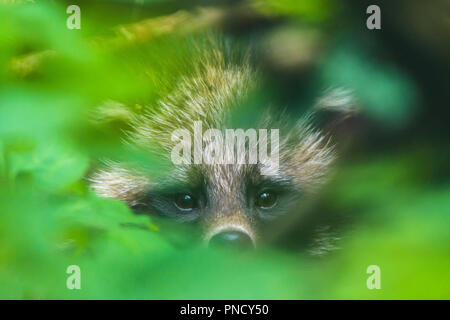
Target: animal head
x=223, y=191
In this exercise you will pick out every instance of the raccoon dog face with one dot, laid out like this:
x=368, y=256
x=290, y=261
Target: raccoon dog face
x=231, y=202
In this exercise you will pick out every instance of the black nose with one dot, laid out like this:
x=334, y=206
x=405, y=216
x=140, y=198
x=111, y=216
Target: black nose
x=231, y=239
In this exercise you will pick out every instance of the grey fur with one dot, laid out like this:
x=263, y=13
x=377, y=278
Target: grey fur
x=208, y=95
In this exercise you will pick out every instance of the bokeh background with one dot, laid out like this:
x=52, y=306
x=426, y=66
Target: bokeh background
x=392, y=180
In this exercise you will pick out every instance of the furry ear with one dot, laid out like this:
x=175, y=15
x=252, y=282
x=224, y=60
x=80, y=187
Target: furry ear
x=118, y=182
x=333, y=108
x=338, y=100
x=312, y=140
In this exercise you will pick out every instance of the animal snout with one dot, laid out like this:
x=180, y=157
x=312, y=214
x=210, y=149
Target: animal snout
x=232, y=239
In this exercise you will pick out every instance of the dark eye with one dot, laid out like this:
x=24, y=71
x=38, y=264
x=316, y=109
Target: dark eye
x=266, y=200
x=185, y=202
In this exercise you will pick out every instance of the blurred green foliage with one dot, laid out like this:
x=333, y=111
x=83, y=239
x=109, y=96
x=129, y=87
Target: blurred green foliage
x=49, y=219
x=310, y=11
